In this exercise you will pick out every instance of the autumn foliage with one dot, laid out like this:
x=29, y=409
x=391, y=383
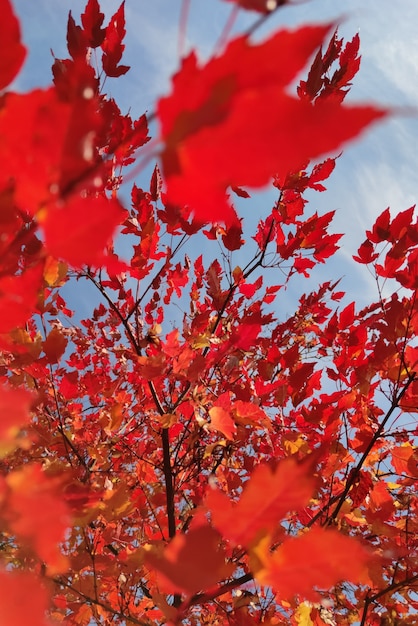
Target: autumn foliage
x=186, y=452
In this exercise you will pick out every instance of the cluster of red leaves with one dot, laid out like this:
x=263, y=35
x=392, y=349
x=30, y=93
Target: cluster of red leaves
x=207, y=470
x=400, y=250
x=74, y=140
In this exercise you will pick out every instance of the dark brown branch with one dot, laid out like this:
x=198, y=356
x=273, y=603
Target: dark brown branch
x=258, y=261
x=353, y=476
x=391, y=588
x=130, y=335
x=157, y=275
x=169, y=487
x=394, y=587
x=201, y=598
x=168, y=474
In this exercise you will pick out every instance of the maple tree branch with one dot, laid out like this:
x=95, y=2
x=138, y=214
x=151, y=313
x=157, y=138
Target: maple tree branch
x=352, y=478
x=168, y=474
x=223, y=38
x=67, y=441
x=261, y=20
x=160, y=271
x=130, y=334
x=116, y=310
x=257, y=262
x=167, y=471
x=169, y=487
x=393, y=587
x=103, y=605
x=322, y=510
x=200, y=598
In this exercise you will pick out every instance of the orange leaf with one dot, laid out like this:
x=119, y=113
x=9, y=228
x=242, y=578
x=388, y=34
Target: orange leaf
x=36, y=514
x=54, y=272
x=23, y=600
x=12, y=52
x=190, y=563
x=248, y=413
x=54, y=345
x=236, y=106
x=14, y=411
x=320, y=558
x=268, y=496
x=18, y=298
x=222, y=421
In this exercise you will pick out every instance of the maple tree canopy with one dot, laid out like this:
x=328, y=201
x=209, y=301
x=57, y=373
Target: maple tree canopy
x=184, y=452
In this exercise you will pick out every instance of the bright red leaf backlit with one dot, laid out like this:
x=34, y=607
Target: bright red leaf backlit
x=236, y=106
x=18, y=297
x=12, y=52
x=320, y=558
x=80, y=230
x=36, y=514
x=267, y=497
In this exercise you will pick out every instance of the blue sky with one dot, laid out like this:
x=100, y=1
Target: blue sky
x=378, y=170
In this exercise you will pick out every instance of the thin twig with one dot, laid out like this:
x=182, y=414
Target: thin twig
x=88, y=600
x=354, y=474
x=391, y=588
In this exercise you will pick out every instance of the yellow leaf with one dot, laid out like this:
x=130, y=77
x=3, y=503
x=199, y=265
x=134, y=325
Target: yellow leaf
x=211, y=447
x=294, y=446
x=201, y=341
x=168, y=419
x=117, y=503
x=54, y=272
x=222, y=421
x=116, y=417
x=393, y=485
x=303, y=614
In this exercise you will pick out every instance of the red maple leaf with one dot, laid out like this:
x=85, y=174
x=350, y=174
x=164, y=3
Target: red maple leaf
x=80, y=230
x=36, y=515
x=112, y=45
x=92, y=20
x=267, y=498
x=18, y=297
x=179, y=566
x=236, y=106
x=14, y=411
x=12, y=51
x=318, y=559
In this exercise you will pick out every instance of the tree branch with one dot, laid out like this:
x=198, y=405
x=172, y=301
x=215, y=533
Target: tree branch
x=393, y=587
x=103, y=605
x=169, y=487
x=352, y=478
